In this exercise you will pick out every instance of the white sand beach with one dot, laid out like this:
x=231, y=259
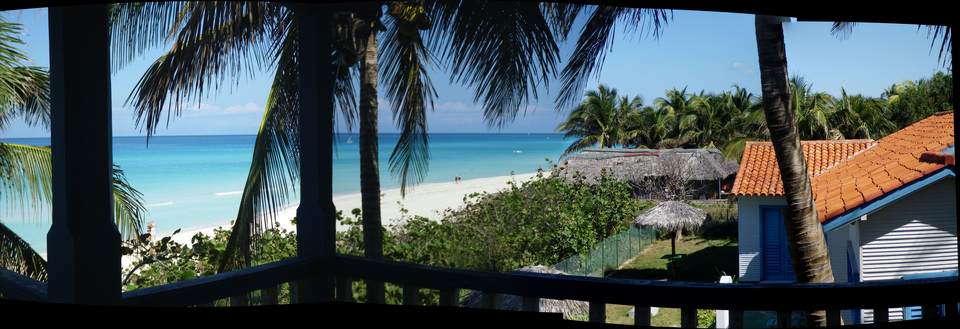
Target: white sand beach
x=426, y=200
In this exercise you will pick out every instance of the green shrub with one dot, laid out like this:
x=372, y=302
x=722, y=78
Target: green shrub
x=539, y=222
x=706, y=319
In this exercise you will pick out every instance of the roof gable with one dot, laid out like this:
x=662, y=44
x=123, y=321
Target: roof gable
x=893, y=162
x=759, y=175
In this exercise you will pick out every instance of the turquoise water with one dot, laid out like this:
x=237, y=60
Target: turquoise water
x=191, y=182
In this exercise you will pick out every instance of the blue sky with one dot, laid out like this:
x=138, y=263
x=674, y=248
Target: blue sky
x=698, y=50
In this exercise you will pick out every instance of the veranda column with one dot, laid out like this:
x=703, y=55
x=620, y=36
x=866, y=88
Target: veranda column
x=83, y=244
x=316, y=224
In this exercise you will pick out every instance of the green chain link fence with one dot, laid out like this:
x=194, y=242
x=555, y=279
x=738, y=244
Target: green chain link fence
x=609, y=253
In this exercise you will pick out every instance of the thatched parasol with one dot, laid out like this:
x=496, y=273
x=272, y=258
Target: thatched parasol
x=571, y=309
x=672, y=216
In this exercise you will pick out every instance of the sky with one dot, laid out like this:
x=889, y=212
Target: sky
x=698, y=50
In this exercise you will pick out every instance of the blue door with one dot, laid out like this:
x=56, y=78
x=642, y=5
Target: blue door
x=776, y=256
x=916, y=312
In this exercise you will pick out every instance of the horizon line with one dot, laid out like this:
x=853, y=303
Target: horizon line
x=345, y=133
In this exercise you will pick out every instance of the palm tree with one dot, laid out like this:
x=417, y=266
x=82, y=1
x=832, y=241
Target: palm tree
x=813, y=109
x=216, y=41
x=746, y=122
x=26, y=170
x=808, y=248
x=599, y=120
x=856, y=116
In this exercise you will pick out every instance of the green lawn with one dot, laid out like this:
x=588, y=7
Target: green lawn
x=705, y=260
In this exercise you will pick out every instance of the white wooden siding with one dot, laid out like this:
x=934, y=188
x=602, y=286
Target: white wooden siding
x=750, y=237
x=916, y=234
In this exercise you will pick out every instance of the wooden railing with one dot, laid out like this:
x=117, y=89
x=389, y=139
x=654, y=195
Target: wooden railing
x=16, y=286
x=260, y=286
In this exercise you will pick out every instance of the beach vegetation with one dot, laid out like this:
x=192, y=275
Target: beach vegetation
x=537, y=222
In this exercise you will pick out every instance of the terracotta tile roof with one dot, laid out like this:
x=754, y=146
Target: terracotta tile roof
x=759, y=175
x=894, y=161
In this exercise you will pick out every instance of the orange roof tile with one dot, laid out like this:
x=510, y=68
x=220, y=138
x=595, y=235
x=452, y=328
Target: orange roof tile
x=759, y=175
x=893, y=161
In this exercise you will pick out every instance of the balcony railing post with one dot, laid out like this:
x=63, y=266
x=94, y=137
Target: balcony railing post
x=83, y=242
x=316, y=222
x=736, y=319
x=833, y=317
x=783, y=319
x=344, y=289
x=449, y=297
x=240, y=300
x=269, y=296
x=488, y=300
x=688, y=317
x=641, y=315
x=411, y=295
x=881, y=315
x=531, y=304
x=929, y=311
x=598, y=312
x=952, y=310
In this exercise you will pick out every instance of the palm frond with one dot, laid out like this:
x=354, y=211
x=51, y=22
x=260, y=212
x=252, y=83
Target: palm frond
x=561, y=17
x=128, y=210
x=17, y=255
x=596, y=37
x=504, y=60
x=25, y=175
x=842, y=30
x=136, y=27
x=216, y=42
x=943, y=35
x=403, y=62
x=26, y=178
x=275, y=166
x=24, y=89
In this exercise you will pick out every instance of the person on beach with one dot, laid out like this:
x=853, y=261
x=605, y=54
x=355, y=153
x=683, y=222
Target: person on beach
x=150, y=227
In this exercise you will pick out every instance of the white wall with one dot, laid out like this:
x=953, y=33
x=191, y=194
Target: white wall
x=916, y=234
x=749, y=235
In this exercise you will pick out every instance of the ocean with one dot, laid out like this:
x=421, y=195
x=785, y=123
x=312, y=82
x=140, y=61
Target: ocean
x=190, y=182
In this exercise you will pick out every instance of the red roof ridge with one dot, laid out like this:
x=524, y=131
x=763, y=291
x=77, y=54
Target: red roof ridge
x=837, y=141
x=870, y=144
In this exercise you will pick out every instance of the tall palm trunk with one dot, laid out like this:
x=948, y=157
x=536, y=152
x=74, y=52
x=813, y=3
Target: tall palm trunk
x=807, y=246
x=370, y=163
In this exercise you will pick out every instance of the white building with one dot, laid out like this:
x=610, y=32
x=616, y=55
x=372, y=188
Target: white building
x=888, y=207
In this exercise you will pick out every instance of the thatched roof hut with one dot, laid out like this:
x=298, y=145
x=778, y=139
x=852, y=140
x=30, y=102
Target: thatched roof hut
x=672, y=216
x=571, y=309
x=634, y=165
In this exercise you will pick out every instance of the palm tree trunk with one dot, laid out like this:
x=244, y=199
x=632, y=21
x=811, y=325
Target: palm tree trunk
x=807, y=246
x=369, y=163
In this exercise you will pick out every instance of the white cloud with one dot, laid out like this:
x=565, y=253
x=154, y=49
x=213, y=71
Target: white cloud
x=245, y=108
x=455, y=107
x=742, y=67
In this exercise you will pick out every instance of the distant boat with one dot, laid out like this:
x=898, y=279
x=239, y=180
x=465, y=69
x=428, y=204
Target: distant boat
x=349, y=140
x=517, y=151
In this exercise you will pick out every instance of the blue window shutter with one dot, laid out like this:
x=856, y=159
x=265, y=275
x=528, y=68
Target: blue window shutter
x=776, y=256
